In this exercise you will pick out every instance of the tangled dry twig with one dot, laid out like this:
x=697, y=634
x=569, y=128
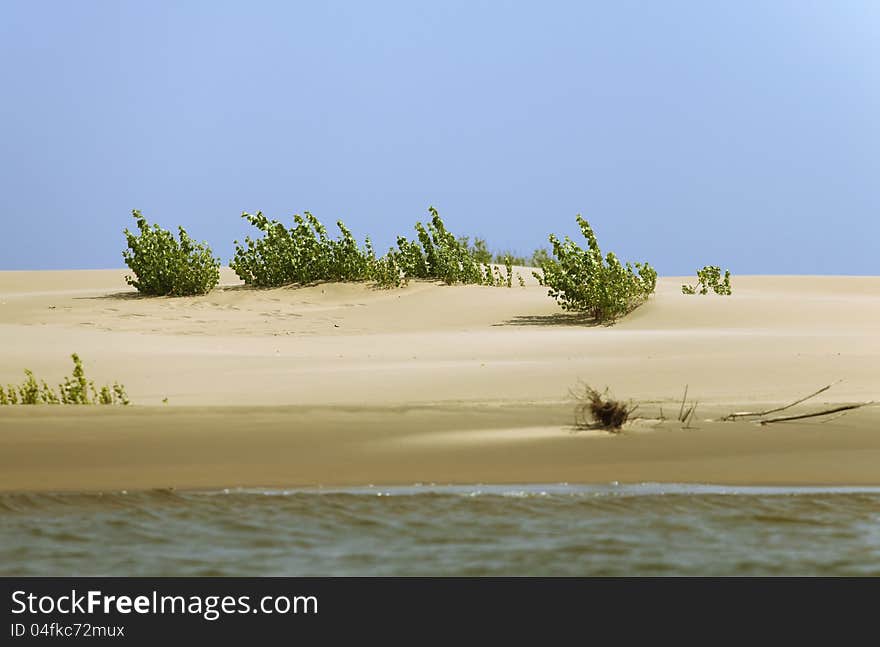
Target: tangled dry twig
x=595, y=410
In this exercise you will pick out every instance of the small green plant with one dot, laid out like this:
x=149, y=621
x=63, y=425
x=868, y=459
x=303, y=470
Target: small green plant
x=164, y=266
x=710, y=278
x=508, y=268
x=583, y=280
x=11, y=396
x=75, y=389
x=119, y=395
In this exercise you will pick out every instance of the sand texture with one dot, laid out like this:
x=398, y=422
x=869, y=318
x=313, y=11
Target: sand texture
x=341, y=384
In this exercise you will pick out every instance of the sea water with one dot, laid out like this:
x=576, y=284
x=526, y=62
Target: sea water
x=557, y=529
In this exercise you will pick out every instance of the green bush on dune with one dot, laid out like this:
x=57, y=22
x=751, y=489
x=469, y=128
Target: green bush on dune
x=438, y=255
x=710, y=278
x=304, y=254
x=300, y=254
x=164, y=266
x=75, y=389
x=579, y=279
x=583, y=280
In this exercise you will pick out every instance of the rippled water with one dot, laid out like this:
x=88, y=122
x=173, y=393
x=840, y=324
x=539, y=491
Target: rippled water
x=426, y=530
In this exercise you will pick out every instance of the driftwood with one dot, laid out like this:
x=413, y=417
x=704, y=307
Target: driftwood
x=758, y=414
x=846, y=407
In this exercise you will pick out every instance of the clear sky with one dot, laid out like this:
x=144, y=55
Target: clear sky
x=743, y=134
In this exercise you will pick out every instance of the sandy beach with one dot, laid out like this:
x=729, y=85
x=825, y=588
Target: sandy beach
x=343, y=384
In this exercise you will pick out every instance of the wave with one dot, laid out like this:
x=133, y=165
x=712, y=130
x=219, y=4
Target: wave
x=12, y=502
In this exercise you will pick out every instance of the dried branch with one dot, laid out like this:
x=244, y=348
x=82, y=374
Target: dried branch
x=826, y=412
x=758, y=414
x=684, y=397
x=692, y=412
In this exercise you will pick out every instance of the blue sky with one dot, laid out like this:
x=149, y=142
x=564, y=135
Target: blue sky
x=743, y=134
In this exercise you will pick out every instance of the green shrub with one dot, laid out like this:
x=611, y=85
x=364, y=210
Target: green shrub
x=710, y=278
x=301, y=254
x=10, y=396
x=75, y=389
x=164, y=266
x=410, y=258
x=437, y=254
x=29, y=391
x=305, y=254
x=386, y=271
x=48, y=395
x=582, y=280
x=447, y=260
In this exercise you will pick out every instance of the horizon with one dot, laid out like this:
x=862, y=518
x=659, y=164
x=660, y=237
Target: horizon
x=688, y=135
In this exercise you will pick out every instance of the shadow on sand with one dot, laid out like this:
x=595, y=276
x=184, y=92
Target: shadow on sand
x=136, y=296
x=116, y=296
x=556, y=319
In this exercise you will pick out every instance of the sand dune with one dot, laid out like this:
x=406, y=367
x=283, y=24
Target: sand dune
x=343, y=383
